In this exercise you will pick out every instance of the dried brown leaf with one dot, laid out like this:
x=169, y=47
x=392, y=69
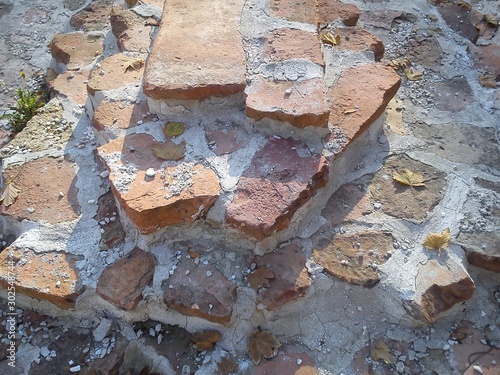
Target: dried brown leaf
x=173, y=129
x=206, y=339
x=193, y=254
x=262, y=344
x=464, y=5
x=169, y=150
x=260, y=278
x=489, y=80
x=330, y=38
x=382, y=352
x=409, y=178
x=438, y=241
x=132, y=63
x=412, y=74
x=10, y=193
x=491, y=20
x=348, y=111
x=227, y=365
x=460, y=333
x=152, y=22
x=399, y=63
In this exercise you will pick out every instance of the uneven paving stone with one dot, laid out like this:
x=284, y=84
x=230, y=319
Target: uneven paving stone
x=121, y=20
x=73, y=4
x=426, y=52
x=347, y=204
x=331, y=10
x=108, y=217
x=114, y=72
x=211, y=64
x=290, y=281
x=203, y=292
x=460, y=143
x=184, y=194
x=358, y=40
x=460, y=19
x=130, y=30
x=452, y=95
x=383, y=19
x=94, y=17
x=367, y=89
x=285, y=44
x=291, y=359
x=353, y=258
x=120, y=115
x=403, y=201
x=41, y=182
x=72, y=84
x=304, y=11
x=225, y=141
x=300, y=103
x=76, y=50
x=440, y=286
x=486, y=58
x=48, y=276
x=282, y=176
x=122, y=282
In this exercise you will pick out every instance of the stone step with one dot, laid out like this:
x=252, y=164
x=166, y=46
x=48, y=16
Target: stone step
x=197, y=53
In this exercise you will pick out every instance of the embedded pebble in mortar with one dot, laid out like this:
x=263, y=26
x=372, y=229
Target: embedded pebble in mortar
x=150, y=172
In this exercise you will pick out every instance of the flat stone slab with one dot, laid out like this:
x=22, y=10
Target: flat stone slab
x=94, y=17
x=198, y=52
x=201, y=291
x=120, y=115
x=76, y=50
x=300, y=103
x=282, y=176
x=358, y=40
x=122, y=282
x=48, y=276
x=72, y=84
x=179, y=193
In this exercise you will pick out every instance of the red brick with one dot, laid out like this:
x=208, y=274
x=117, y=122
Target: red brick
x=76, y=50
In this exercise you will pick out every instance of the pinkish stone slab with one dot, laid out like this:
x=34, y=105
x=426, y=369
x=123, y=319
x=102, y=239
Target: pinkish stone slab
x=225, y=141
x=76, y=50
x=282, y=176
x=200, y=47
x=120, y=115
x=72, y=84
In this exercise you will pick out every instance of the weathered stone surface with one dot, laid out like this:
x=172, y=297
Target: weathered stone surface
x=357, y=39
x=94, y=17
x=300, y=103
x=366, y=88
x=426, y=52
x=72, y=84
x=109, y=220
x=225, y=141
x=403, y=201
x=41, y=183
x=482, y=249
x=460, y=19
x=76, y=50
x=290, y=281
x=121, y=20
x=211, y=64
x=486, y=57
x=347, y=204
x=123, y=281
x=203, y=292
x=120, y=115
x=452, y=95
x=291, y=359
x=353, y=258
x=185, y=193
x=282, y=176
x=48, y=276
x=285, y=44
x=331, y=10
x=114, y=72
x=439, y=287
x=383, y=19
x=135, y=39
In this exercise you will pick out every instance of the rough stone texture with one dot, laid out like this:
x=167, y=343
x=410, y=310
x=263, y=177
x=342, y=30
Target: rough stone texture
x=120, y=115
x=76, y=50
x=353, y=258
x=285, y=44
x=287, y=362
x=94, y=17
x=109, y=220
x=121, y=20
x=403, y=201
x=367, y=88
x=203, y=292
x=426, y=52
x=460, y=20
x=282, y=176
x=41, y=182
x=225, y=141
x=383, y=19
x=49, y=276
x=290, y=281
x=122, y=282
x=440, y=286
x=112, y=74
x=486, y=58
x=300, y=103
x=72, y=84
x=358, y=39
x=452, y=95
x=135, y=39
x=347, y=204
x=331, y=10
x=482, y=249
x=211, y=64
x=150, y=203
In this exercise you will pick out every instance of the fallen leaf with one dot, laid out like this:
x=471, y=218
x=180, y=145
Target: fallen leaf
x=488, y=80
x=227, y=365
x=260, y=278
x=460, y=333
x=152, y=22
x=491, y=19
x=173, y=129
x=409, y=178
x=193, y=254
x=464, y=5
x=437, y=241
x=329, y=38
x=412, y=74
x=399, y=63
x=206, y=339
x=169, y=150
x=132, y=63
x=262, y=344
x=348, y=111
x=382, y=352
x=10, y=193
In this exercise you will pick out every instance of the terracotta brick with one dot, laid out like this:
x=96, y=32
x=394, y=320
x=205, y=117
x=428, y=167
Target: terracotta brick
x=120, y=115
x=76, y=50
x=331, y=10
x=304, y=11
x=94, y=17
x=72, y=84
x=202, y=61
x=358, y=40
